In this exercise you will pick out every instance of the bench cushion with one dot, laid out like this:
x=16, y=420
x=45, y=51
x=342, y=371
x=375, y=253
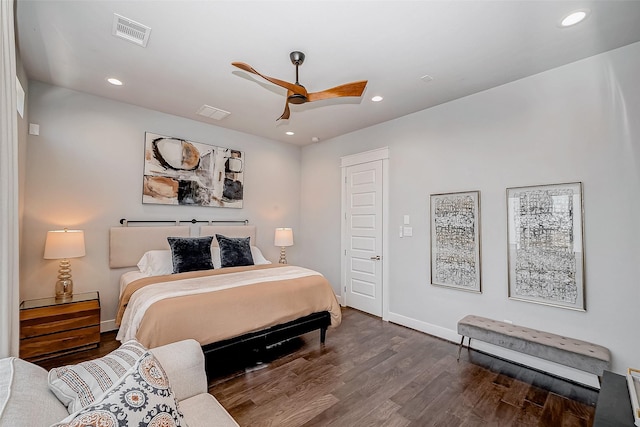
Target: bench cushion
x=578, y=354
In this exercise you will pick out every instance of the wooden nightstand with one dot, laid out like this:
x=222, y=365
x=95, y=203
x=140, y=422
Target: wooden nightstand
x=50, y=328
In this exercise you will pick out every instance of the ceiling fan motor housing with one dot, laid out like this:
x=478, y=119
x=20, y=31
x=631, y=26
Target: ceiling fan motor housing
x=297, y=98
x=297, y=58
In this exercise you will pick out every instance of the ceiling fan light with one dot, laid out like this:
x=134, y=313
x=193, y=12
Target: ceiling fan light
x=574, y=17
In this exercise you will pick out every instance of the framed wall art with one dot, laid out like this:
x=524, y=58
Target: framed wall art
x=455, y=240
x=181, y=172
x=545, y=253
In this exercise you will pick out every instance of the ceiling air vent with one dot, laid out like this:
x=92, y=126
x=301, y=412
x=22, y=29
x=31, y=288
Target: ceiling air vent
x=130, y=30
x=212, y=112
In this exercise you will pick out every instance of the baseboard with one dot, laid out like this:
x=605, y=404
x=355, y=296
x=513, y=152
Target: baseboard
x=552, y=368
x=108, y=325
x=418, y=325
x=340, y=300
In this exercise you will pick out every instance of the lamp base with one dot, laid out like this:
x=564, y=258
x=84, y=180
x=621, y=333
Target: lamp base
x=283, y=256
x=64, y=285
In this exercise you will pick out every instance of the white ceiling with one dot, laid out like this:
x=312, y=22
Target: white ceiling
x=466, y=46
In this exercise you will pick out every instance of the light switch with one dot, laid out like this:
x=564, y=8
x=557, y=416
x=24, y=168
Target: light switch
x=34, y=129
x=406, y=220
x=407, y=231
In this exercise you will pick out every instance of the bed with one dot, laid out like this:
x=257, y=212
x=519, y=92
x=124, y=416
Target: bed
x=226, y=309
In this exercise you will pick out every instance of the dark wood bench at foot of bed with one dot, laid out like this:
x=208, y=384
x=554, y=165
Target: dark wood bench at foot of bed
x=249, y=349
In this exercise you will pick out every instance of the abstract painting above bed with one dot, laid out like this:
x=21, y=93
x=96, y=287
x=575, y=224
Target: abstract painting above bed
x=181, y=172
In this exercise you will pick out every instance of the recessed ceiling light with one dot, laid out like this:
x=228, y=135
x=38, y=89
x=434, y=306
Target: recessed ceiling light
x=426, y=78
x=377, y=98
x=574, y=17
x=114, y=81
x=290, y=133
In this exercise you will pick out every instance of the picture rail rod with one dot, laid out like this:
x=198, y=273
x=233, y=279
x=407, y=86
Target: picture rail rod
x=126, y=222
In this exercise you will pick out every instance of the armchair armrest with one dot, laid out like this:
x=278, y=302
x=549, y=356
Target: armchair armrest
x=183, y=361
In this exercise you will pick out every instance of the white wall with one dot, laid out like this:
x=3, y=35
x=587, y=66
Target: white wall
x=85, y=168
x=580, y=122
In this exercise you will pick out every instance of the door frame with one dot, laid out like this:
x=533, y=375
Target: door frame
x=351, y=160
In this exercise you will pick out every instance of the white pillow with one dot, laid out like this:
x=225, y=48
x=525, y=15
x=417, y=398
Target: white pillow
x=156, y=263
x=258, y=258
x=77, y=386
x=256, y=254
x=215, y=257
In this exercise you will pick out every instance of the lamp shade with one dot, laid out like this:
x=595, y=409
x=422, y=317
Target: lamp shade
x=62, y=244
x=284, y=237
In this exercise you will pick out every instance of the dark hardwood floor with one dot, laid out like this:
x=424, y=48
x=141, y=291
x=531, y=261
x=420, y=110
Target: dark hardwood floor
x=373, y=373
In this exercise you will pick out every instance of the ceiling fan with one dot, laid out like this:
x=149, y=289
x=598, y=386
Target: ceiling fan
x=297, y=94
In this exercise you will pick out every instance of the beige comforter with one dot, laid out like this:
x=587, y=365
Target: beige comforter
x=225, y=313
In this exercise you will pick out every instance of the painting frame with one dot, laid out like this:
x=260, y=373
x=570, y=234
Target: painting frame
x=181, y=172
x=545, y=245
x=455, y=240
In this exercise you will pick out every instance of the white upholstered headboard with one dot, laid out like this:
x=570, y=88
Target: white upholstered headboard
x=128, y=244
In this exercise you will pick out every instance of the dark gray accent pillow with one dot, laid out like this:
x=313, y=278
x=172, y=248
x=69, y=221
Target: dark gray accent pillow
x=191, y=253
x=234, y=251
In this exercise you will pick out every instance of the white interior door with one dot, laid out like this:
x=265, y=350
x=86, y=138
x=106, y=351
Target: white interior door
x=363, y=237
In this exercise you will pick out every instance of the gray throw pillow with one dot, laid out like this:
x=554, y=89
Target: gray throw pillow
x=234, y=251
x=191, y=253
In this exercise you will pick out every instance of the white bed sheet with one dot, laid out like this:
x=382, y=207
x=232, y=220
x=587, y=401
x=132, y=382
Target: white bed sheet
x=129, y=277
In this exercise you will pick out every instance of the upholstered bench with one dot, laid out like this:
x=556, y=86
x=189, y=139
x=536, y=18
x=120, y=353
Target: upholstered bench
x=577, y=354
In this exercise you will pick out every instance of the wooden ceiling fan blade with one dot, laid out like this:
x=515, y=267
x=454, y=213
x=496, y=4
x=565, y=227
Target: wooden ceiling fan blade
x=285, y=115
x=297, y=89
x=349, y=89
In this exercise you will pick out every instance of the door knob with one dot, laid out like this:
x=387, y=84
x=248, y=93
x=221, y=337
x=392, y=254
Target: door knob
x=376, y=258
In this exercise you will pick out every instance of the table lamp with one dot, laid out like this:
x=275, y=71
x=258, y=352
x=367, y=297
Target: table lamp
x=62, y=245
x=283, y=238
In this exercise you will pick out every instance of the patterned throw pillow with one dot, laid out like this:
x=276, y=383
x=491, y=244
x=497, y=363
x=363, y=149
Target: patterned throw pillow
x=141, y=398
x=191, y=253
x=234, y=251
x=79, y=385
